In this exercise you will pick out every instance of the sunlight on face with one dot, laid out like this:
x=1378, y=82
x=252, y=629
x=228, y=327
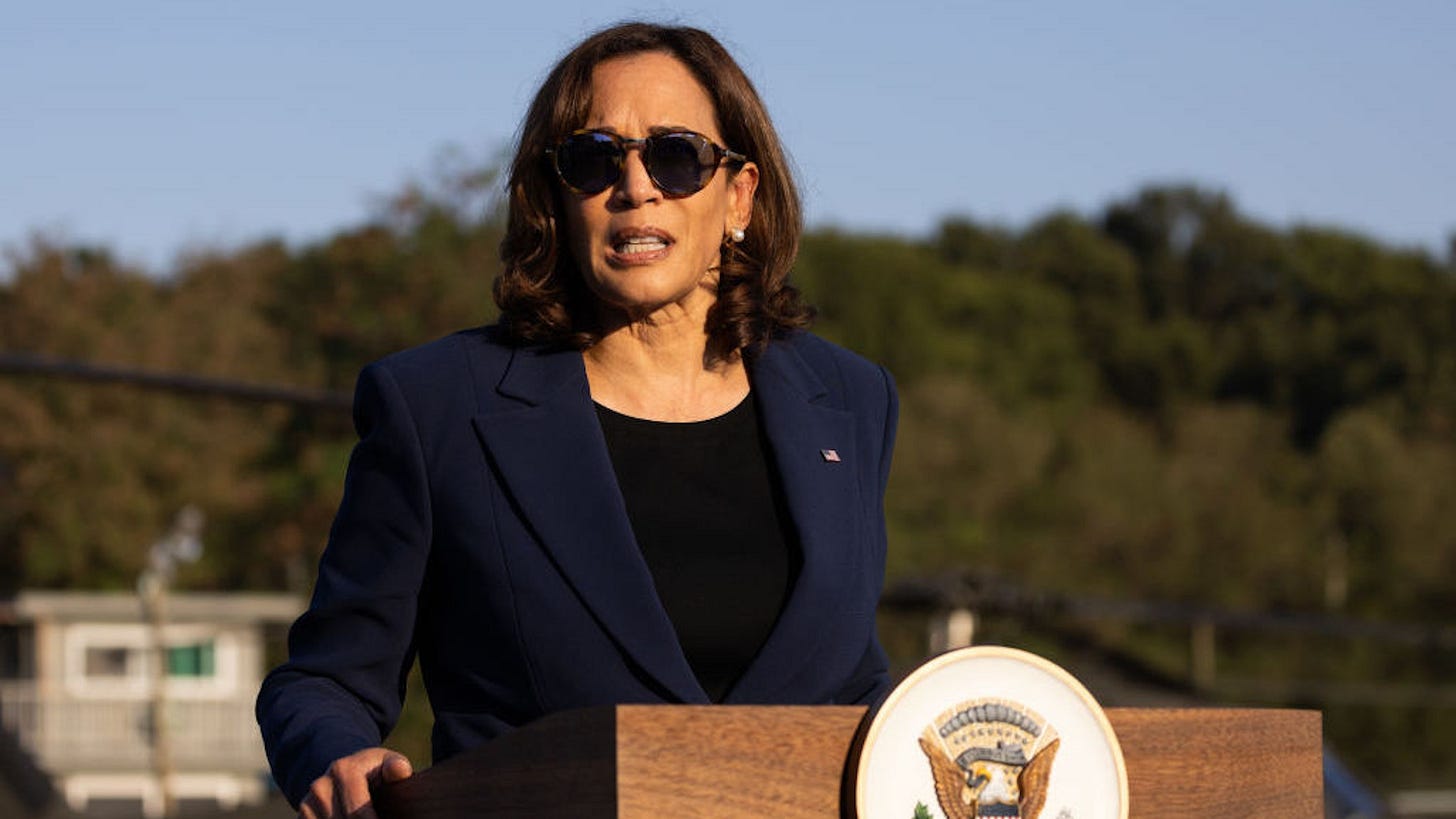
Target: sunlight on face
x=641, y=252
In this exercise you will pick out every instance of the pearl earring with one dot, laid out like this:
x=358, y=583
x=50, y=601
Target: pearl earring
x=736, y=234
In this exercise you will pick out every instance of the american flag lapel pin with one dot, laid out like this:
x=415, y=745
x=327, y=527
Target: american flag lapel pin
x=830, y=456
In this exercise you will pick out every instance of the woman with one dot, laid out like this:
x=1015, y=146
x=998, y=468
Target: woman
x=646, y=484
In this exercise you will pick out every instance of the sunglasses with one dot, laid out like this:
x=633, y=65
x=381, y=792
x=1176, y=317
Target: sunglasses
x=680, y=163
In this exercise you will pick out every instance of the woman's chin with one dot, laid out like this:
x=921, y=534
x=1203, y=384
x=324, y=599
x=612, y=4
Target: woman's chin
x=638, y=295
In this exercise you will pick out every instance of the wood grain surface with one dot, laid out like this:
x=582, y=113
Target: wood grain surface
x=1211, y=763
x=735, y=762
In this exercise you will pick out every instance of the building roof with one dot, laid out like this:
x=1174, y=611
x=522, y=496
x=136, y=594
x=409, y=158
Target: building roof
x=210, y=607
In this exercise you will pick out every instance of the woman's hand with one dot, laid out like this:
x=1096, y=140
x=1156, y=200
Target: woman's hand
x=343, y=790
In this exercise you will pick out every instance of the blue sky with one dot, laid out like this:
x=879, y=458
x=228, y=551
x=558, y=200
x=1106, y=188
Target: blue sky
x=155, y=126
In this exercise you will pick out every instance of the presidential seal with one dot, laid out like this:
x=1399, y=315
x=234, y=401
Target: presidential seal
x=990, y=757
x=990, y=732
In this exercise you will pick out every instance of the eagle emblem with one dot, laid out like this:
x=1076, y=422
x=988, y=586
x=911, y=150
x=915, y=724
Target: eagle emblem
x=990, y=758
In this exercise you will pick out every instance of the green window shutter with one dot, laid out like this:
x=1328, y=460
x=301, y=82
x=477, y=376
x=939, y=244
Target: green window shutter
x=193, y=660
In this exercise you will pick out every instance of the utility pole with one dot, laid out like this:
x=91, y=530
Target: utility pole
x=182, y=543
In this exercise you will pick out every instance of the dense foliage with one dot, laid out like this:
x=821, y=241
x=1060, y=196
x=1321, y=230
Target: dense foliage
x=1165, y=401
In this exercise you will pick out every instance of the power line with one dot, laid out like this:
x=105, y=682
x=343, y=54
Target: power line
x=32, y=364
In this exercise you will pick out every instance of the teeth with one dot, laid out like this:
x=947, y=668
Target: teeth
x=641, y=244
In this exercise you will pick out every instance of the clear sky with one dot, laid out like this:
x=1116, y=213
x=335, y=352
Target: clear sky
x=157, y=125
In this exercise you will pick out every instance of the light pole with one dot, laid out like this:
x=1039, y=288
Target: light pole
x=181, y=544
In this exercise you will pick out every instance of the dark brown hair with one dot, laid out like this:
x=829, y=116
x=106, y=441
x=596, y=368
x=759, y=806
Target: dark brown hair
x=541, y=295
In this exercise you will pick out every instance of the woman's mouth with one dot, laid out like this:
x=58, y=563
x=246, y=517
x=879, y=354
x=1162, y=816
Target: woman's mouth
x=632, y=247
x=640, y=245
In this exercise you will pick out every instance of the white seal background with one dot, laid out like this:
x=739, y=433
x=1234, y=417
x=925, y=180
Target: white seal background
x=1088, y=778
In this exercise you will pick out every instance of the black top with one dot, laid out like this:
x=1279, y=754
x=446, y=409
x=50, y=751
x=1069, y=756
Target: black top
x=709, y=515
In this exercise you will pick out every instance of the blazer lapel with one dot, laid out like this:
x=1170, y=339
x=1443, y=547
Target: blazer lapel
x=813, y=448
x=541, y=431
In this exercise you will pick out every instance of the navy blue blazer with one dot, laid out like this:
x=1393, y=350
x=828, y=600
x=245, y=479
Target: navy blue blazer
x=482, y=527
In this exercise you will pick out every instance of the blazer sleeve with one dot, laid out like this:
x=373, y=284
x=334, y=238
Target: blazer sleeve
x=870, y=681
x=342, y=686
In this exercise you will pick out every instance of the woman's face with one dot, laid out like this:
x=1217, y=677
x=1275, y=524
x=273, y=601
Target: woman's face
x=641, y=252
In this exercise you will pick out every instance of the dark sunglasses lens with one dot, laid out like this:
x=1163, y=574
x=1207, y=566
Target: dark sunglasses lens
x=589, y=163
x=680, y=163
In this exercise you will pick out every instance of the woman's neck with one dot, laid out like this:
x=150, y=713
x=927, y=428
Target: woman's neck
x=662, y=372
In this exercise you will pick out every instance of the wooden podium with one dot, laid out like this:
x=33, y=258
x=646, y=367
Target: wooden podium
x=786, y=762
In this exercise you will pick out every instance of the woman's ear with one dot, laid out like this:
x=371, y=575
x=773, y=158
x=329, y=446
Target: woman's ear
x=740, y=205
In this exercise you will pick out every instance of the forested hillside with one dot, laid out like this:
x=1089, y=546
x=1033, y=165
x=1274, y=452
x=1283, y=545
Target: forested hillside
x=1165, y=400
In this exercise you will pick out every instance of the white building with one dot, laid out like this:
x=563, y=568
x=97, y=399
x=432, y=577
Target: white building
x=77, y=692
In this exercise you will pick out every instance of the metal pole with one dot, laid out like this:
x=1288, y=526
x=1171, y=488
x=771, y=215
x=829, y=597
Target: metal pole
x=154, y=592
x=181, y=543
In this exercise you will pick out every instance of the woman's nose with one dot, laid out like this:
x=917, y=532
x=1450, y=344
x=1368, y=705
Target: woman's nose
x=636, y=185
